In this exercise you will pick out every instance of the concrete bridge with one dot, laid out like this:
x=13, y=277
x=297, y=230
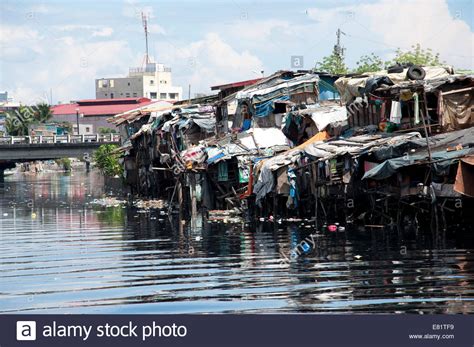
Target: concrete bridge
x=16, y=149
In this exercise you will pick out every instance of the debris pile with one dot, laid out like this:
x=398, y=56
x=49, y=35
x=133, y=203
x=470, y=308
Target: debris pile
x=108, y=202
x=225, y=216
x=150, y=204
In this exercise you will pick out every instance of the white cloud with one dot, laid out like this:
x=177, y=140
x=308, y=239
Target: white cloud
x=97, y=30
x=17, y=45
x=208, y=62
x=13, y=34
x=104, y=32
x=67, y=64
x=73, y=27
x=258, y=30
x=156, y=29
x=43, y=9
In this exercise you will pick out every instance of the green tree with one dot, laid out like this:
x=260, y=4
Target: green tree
x=18, y=122
x=104, y=130
x=369, y=63
x=107, y=161
x=333, y=64
x=417, y=56
x=42, y=112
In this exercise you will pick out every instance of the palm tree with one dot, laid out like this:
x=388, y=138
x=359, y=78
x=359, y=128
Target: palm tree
x=17, y=122
x=42, y=112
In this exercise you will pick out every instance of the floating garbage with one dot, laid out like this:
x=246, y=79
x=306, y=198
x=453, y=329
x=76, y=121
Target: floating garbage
x=150, y=204
x=332, y=228
x=225, y=216
x=292, y=220
x=108, y=202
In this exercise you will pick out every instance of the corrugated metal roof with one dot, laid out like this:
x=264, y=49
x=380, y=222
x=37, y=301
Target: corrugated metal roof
x=99, y=107
x=236, y=84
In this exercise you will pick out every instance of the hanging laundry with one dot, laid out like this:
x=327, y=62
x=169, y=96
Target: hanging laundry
x=396, y=112
x=222, y=171
x=417, y=108
x=244, y=170
x=292, y=201
x=321, y=171
x=326, y=168
x=333, y=166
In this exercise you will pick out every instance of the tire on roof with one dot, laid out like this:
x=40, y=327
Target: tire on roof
x=416, y=72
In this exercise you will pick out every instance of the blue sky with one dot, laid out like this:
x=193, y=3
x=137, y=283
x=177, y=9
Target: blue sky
x=64, y=46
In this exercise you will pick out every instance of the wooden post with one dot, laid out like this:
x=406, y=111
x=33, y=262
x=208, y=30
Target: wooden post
x=425, y=127
x=180, y=199
x=314, y=186
x=426, y=111
x=193, y=200
x=275, y=203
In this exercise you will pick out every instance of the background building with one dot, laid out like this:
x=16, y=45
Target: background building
x=154, y=82
x=93, y=113
x=3, y=96
x=6, y=105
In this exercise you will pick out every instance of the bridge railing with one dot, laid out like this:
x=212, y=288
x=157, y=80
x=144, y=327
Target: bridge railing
x=48, y=139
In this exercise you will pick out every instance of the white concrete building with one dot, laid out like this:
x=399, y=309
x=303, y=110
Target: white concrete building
x=154, y=82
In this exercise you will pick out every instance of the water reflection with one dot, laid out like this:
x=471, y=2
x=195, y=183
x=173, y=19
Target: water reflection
x=59, y=253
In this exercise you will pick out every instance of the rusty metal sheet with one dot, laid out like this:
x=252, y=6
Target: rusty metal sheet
x=464, y=183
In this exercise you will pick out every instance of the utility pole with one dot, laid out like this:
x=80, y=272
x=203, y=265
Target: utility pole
x=338, y=49
x=77, y=120
x=145, y=27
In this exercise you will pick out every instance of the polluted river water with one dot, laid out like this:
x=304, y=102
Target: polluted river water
x=61, y=253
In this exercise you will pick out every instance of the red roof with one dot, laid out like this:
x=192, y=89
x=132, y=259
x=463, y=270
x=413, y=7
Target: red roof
x=112, y=101
x=100, y=107
x=236, y=84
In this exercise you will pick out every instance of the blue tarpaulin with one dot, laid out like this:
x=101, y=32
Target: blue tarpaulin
x=263, y=109
x=389, y=167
